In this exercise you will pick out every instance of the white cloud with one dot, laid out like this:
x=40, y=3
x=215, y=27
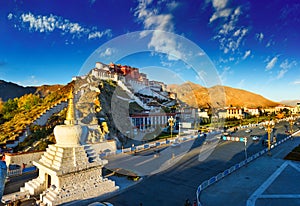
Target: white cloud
x=285, y=66
x=172, y=5
x=259, y=36
x=153, y=20
x=296, y=82
x=201, y=54
x=98, y=34
x=226, y=71
x=219, y=4
x=220, y=14
x=9, y=16
x=247, y=53
x=281, y=73
x=51, y=23
x=107, y=52
x=271, y=63
x=228, y=34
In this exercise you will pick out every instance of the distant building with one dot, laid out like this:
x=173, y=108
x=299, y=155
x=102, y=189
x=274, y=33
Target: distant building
x=142, y=121
x=234, y=112
x=252, y=111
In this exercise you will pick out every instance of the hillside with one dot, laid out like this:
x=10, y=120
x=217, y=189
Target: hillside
x=17, y=114
x=218, y=96
x=9, y=90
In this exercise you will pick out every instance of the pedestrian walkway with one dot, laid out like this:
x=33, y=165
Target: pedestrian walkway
x=268, y=180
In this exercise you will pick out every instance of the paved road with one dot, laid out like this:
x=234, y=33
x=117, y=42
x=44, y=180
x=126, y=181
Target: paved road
x=268, y=180
x=173, y=185
x=18, y=181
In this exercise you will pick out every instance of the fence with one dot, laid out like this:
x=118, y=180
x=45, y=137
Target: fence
x=20, y=171
x=154, y=144
x=233, y=168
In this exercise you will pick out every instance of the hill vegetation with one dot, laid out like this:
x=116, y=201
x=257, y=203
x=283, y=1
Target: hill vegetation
x=18, y=113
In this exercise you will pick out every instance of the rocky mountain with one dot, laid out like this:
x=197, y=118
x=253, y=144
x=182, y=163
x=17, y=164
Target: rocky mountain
x=218, y=96
x=9, y=90
x=291, y=103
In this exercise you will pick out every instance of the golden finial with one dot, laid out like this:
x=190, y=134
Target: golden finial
x=70, y=117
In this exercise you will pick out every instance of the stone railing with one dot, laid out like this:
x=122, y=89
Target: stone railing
x=153, y=144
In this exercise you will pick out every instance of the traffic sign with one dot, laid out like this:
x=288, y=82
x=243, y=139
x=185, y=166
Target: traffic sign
x=236, y=139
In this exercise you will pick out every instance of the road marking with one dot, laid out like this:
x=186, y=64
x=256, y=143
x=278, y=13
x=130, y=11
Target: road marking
x=265, y=185
x=279, y=196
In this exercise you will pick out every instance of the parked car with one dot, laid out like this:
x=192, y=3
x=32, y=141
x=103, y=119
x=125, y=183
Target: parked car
x=175, y=144
x=255, y=138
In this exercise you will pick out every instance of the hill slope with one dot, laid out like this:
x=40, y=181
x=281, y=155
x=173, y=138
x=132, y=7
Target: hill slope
x=218, y=96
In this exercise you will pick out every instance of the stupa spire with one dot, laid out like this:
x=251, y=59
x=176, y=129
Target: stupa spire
x=70, y=117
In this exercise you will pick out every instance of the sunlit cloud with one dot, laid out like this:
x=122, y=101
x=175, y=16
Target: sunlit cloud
x=271, y=63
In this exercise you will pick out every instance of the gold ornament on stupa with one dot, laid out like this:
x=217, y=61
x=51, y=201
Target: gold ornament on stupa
x=70, y=117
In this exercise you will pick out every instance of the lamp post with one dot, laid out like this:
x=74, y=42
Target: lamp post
x=171, y=124
x=269, y=125
x=291, y=120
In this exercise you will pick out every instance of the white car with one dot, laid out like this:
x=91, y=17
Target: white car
x=100, y=204
x=248, y=130
x=255, y=138
x=175, y=144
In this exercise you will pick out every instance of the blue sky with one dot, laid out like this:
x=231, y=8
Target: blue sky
x=253, y=45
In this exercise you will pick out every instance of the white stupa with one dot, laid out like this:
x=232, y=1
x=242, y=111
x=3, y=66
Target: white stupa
x=69, y=171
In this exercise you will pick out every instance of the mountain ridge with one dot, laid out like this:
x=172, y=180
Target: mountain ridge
x=10, y=90
x=219, y=96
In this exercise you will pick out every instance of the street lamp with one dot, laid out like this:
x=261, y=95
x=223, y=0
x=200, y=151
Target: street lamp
x=291, y=120
x=269, y=125
x=171, y=124
x=257, y=118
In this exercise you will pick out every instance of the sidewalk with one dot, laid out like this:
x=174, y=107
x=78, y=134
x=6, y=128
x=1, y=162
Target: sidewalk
x=268, y=180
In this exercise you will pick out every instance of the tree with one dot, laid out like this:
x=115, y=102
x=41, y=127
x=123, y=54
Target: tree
x=28, y=101
x=10, y=108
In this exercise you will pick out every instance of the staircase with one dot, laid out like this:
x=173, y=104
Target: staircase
x=49, y=196
x=132, y=96
x=91, y=154
x=34, y=187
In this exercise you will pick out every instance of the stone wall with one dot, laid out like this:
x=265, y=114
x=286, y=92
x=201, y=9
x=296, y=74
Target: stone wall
x=22, y=158
x=107, y=146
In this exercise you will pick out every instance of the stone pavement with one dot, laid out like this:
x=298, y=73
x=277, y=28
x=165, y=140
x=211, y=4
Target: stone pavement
x=266, y=181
